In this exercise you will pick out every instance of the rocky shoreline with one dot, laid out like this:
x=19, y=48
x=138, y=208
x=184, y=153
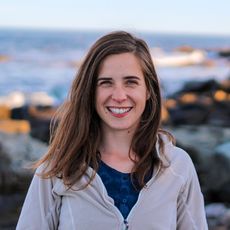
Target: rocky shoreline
x=197, y=115
x=203, y=143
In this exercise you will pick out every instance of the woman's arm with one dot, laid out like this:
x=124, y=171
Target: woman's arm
x=190, y=205
x=41, y=206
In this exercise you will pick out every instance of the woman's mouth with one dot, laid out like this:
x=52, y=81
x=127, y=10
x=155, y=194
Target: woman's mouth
x=119, y=111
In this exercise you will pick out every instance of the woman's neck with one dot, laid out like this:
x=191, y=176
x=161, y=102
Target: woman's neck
x=115, y=150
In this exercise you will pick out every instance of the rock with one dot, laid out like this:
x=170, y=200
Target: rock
x=225, y=85
x=164, y=114
x=13, y=100
x=40, y=99
x=18, y=99
x=14, y=126
x=188, y=98
x=215, y=210
x=40, y=129
x=20, y=113
x=4, y=58
x=224, y=149
x=186, y=49
x=221, y=95
x=40, y=118
x=219, y=114
x=200, y=103
x=226, y=219
x=224, y=53
x=203, y=139
x=4, y=167
x=16, y=152
x=176, y=59
x=5, y=112
x=216, y=179
x=21, y=149
x=193, y=114
x=212, y=167
x=10, y=206
x=199, y=87
x=215, y=213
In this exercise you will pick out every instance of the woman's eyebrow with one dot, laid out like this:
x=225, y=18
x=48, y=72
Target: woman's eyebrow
x=104, y=78
x=132, y=78
x=125, y=78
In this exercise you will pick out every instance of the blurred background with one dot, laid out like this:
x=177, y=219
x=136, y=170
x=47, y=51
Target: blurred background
x=42, y=45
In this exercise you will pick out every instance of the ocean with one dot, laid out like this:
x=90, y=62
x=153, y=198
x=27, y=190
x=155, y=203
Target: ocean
x=47, y=61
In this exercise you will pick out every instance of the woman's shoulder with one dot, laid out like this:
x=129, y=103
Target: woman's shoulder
x=178, y=160
x=55, y=183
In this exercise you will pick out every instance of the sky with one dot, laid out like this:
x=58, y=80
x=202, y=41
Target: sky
x=165, y=16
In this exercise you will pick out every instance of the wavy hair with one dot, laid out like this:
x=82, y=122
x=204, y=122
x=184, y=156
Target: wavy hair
x=75, y=128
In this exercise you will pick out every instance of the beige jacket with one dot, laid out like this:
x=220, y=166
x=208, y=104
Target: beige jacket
x=170, y=201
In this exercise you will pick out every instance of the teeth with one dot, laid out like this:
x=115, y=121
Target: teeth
x=119, y=110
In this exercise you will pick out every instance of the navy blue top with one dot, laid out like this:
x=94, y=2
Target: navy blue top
x=119, y=187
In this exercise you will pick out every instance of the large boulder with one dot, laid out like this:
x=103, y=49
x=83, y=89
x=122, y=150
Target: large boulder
x=19, y=150
x=192, y=113
x=198, y=103
x=209, y=150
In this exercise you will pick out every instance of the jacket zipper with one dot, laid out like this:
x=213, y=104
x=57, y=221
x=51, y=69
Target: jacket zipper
x=141, y=192
x=126, y=224
x=125, y=221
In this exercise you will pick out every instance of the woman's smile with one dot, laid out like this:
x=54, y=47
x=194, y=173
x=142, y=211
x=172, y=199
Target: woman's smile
x=119, y=111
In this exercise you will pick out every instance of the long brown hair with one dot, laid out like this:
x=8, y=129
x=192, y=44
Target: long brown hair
x=75, y=129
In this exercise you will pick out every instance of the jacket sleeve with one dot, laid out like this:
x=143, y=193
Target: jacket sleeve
x=190, y=205
x=41, y=207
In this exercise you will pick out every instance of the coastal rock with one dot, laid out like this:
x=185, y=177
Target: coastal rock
x=4, y=58
x=225, y=85
x=224, y=53
x=40, y=129
x=199, y=86
x=21, y=149
x=201, y=143
x=215, y=210
x=224, y=149
x=218, y=216
x=219, y=114
x=200, y=103
x=206, y=145
x=177, y=59
x=18, y=99
x=13, y=100
x=5, y=112
x=17, y=151
x=14, y=126
x=192, y=113
x=20, y=113
x=40, y=118
x=216, y=179
x=185, y=48
x=40, y=99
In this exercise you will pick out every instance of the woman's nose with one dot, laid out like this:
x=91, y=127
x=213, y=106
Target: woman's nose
x=119, y=94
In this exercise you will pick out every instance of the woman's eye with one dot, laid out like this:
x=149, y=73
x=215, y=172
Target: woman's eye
x=105, y=83
x=131, y=82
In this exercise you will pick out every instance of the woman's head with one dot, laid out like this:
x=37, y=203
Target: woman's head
x=84, y=86
x=75, y=142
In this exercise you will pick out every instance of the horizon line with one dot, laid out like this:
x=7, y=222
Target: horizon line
x=102, y=30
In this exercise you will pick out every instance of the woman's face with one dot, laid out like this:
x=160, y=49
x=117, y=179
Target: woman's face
x=121, y=92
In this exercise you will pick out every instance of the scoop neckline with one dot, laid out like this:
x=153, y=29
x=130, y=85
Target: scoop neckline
x=114, y=170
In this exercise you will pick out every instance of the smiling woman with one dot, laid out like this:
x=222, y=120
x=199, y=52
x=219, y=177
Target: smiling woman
x=110, y=165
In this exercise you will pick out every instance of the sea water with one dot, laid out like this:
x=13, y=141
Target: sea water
x=42, y=60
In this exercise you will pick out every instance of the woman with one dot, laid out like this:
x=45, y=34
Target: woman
x=109, y=166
